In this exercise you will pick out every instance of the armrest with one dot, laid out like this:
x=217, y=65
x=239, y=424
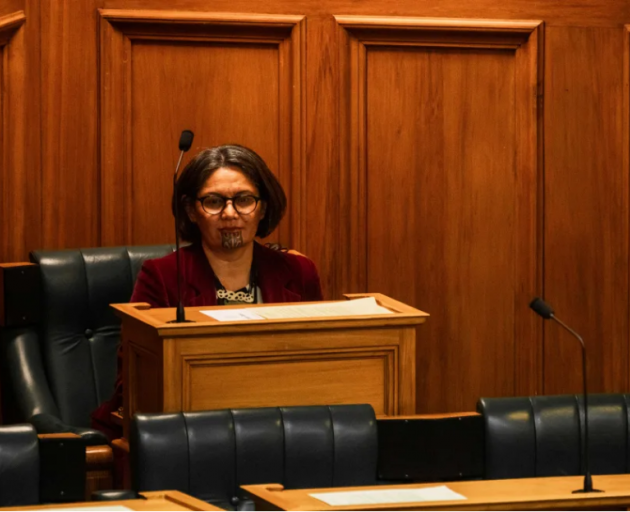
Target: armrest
x=431, y=447
x=94, y=467
x=48, y=424
x=22, y=368
x=20, y=285
x=115, y=495
x=23, y=373
x=62, y=468
x=19, y=466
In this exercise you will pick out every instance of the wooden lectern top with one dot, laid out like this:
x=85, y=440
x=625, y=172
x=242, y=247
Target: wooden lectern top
x=159, y=318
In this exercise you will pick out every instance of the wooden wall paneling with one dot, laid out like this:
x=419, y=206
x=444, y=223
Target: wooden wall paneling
x=625, y=151
x=325, y=210
x=586, y=138
x=229, y=78
x=69, y=68
x=11, y=7
x=293, y=129
x=586, y=208
x=444, y=193
x=19, y=176
x=529, y=218
x=351, y=157
x=113, y=137
x=555, y=12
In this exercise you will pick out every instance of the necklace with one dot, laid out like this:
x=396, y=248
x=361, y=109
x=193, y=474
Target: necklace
x=246, y=294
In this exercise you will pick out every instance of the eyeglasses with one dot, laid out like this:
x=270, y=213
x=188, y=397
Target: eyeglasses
x=214, y=204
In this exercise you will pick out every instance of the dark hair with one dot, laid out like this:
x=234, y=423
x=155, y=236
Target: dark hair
x=240, y=158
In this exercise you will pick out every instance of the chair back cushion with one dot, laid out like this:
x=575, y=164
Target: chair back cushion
x=19, y=466
x=542, y=435
x=79, y=331
x=211, y=454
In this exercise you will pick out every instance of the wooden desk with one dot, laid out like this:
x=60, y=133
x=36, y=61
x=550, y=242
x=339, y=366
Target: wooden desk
x=209, y=365
x=551, y=493
x=157, y=500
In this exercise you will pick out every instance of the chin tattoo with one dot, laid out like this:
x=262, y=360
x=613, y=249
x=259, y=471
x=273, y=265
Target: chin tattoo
x=231, y=240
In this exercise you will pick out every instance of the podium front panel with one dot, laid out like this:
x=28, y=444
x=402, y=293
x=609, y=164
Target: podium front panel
x=209, y=367
x=284, y=369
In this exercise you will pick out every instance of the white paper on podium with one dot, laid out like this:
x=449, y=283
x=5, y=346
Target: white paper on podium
x=374, y=497
x=365, y=306
x=233, y=315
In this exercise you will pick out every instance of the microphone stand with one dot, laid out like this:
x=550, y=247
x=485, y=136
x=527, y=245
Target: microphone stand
x=180, y=316
x=184, y=145
x=588, y=479
x=544, y=310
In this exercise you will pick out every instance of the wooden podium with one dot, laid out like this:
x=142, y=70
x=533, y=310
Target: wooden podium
x=260, y=363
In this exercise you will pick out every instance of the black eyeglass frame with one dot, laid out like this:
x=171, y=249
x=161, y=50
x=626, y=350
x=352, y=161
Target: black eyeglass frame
x=225, y=202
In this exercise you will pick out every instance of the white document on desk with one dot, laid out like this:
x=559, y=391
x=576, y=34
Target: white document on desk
x=356, y=307
x=379, y=497
x=103, y=507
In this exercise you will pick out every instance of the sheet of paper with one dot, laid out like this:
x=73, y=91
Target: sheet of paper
x=116, y=508
x=373, y=497
x=365, y=306
x=232, y=315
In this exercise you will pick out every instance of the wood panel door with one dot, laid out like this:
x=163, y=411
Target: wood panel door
x=228, y=78
x=20, y=185
x=443, y=131
x=586, y=207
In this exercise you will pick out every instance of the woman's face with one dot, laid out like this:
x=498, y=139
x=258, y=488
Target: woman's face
x=228, y=230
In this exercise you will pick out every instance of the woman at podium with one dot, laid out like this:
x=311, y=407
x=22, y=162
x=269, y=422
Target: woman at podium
x=229, y=197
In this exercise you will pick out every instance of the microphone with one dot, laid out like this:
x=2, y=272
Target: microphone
x=544, y=310
x=185, y=141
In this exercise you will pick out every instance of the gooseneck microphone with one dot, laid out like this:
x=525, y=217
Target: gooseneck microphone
x=544, y=310
x=185, y=141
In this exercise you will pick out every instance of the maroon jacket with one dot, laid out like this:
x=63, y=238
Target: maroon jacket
x=282, y=277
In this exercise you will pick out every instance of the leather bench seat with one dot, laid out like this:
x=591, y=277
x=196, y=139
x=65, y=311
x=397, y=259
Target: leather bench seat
x=210, y=454
x=542, y=435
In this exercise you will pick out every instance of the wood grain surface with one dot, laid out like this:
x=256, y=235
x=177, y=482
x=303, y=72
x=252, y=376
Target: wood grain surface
x=267, y=363
x=153, y=500
x=505, y=124
x=20, y=185
x=243, y=64
x=446, y=193
x=544, y=493
x=586, y=209
x=69, y=140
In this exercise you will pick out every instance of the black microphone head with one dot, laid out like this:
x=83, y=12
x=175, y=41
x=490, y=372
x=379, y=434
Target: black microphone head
x=185, y=141
x=542, y=308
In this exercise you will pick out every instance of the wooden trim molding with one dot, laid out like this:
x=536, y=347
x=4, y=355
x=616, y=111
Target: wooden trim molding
x=15, y=206
x=512, y=31
x=119, y=29
x=9, y=24
x=115, y=16
x=626, y=129
x=525, y=38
